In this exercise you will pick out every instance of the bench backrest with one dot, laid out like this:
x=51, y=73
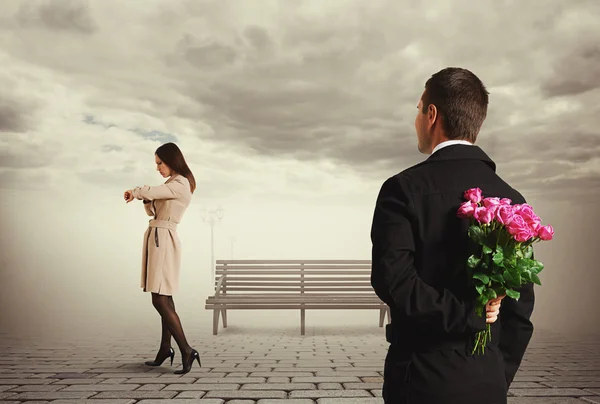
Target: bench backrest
x=313, y=277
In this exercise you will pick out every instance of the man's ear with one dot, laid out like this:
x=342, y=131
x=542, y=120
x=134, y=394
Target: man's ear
x=432, y=115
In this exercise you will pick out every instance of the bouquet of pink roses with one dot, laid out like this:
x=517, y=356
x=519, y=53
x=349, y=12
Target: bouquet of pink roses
x=505, y=233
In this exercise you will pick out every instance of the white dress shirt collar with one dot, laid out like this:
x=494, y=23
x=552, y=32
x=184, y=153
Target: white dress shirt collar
x=450, y=143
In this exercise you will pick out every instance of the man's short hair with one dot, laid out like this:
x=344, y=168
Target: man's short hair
x=461, y=100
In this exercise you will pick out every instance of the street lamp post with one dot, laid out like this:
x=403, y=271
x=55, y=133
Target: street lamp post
x=212, y=217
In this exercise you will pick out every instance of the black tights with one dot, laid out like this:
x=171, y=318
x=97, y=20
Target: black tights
x=171, y=326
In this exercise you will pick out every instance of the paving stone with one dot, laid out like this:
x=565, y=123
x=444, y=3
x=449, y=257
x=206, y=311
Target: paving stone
x=314, y=394
x=52, y=395
x=277, y=386
x=151, y=387
x=287, y=401
x=101, y=387
x=253, y=394
x=202, y=386
x=581, y=384
x=181, y=401
x=330, y=386
x=544, y=400
x=37, y=387
x=558, y=392
x=95, y=401
x=138, y=395
x=278, y=379
x=6, y=395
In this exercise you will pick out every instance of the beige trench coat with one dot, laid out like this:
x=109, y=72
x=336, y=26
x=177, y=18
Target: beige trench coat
x=161, y=252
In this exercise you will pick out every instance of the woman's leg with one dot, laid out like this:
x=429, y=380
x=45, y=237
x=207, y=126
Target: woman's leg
x=171, y=323
x=165, y=341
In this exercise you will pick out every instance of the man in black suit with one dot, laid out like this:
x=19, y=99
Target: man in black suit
x=420, y=250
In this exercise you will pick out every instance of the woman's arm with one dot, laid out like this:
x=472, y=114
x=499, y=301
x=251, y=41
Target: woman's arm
x=148, y=207
x=170, y=190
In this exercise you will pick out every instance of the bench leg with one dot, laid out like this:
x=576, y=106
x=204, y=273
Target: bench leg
x=382, y=313
x=216, y=314
x=224, y=314
x=389, y=315
x=302, y=321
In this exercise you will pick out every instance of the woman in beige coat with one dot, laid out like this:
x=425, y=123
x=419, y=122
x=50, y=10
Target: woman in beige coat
x=161, y=254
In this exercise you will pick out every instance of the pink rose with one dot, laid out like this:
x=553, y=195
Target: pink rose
x=483, y=215
x=505, y=201
x=505, y=214
x=466, y=209
x=473, y=194
x=533, y=220
x=491, y=201
x=520, y=229
x=545, y=232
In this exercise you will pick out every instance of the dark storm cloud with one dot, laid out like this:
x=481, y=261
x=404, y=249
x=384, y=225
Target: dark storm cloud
x=24, y=154
x=59, y=15
x=12, y=118
x=576, y=72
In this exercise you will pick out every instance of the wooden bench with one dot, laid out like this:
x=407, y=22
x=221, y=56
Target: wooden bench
x=293, y=285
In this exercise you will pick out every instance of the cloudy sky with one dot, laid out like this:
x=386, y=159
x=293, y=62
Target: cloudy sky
x=291, y=115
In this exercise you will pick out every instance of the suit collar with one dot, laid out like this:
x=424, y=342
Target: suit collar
x=461, y=152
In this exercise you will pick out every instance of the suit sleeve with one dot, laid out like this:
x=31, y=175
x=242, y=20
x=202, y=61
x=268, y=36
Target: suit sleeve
x=516, y=329
x=394, y=276
x=171, y=190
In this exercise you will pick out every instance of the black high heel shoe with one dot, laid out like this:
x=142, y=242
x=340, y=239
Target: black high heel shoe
x=187, y=363
x=158, y=363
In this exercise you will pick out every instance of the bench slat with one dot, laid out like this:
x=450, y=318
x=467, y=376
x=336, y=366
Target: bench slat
x=230, y=283
x=292, y=272
x=297, y=307
x=295, y=278
x=279, y=262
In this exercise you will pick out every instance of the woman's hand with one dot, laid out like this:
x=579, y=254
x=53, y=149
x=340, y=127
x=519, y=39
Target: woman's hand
x=128, y=196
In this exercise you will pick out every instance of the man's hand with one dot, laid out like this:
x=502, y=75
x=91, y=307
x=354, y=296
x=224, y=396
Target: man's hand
x=128, y=196
x=492, y=309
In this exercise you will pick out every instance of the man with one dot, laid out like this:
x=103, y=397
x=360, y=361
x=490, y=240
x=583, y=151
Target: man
x=420, y=249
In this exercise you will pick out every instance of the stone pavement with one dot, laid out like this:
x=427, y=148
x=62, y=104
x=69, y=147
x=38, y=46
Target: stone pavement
x=249, y=365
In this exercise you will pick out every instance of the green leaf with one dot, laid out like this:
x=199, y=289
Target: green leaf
x=483, y=299
x=491, y=294
x=510, y=280
x=487, y=250
x=513, y=293
x=476, y=233
x=473, y=261
x=482, y=277
x=535, y=279
x=497, y=278
x=480, y=288
x=509, y=252
x=536, y=266
x=528, y=251
x=498, y=258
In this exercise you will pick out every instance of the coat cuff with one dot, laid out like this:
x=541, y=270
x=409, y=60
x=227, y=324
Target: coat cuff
x=475, y=322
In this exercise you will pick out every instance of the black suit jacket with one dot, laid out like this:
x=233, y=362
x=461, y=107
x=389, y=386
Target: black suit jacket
x=420, y=249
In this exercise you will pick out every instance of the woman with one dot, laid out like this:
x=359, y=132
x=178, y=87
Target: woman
x=161, y=256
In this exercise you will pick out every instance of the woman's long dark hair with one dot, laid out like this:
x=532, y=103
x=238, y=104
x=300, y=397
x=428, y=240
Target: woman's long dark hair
x=172, y=156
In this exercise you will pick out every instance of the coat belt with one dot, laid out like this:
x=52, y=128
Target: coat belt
x=164, y=224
